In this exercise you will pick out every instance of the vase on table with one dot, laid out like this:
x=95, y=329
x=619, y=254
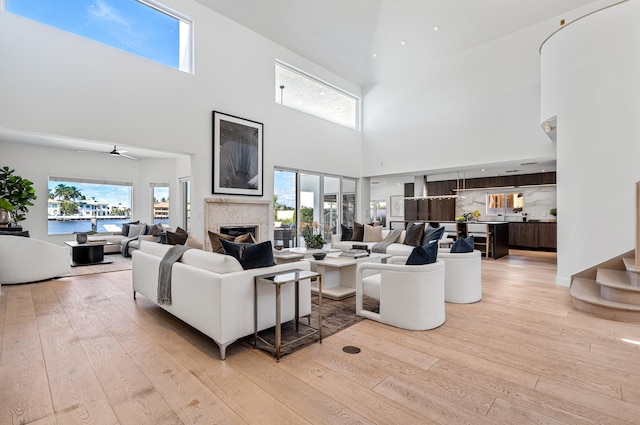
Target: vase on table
x=81, y=237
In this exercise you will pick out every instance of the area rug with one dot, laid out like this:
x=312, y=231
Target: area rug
x=118, y=263
x=336, y=316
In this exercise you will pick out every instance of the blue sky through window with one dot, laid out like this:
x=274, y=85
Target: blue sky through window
x=125, y=24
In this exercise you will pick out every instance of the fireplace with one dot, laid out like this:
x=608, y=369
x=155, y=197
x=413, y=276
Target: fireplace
x=237, y=213
x=239, y=230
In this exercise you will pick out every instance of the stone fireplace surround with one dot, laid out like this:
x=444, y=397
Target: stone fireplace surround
x=236, y=212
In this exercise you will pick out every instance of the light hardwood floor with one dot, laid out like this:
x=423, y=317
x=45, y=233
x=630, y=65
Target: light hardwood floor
x=81, y=351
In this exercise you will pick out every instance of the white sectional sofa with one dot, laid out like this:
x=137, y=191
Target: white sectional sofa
x=396, y=248
x=116, y=238
x=212, y=292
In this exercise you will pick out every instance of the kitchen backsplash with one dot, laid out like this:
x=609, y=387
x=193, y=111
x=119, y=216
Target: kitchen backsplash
x=538, y=201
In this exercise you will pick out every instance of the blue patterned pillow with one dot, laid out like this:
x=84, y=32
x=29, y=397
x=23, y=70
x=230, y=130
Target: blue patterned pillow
x=425, y=254
x=462, y=245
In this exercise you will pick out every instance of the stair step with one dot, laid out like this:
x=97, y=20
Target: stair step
x=630, y=264
x=586, y=297
x=619, y=285
x=619, y=279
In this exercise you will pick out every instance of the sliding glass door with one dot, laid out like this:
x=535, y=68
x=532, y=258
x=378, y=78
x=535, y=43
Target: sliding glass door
x=310, y=203
x=285, y=200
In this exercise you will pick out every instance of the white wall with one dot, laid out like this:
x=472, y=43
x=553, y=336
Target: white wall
x=57, y=83
x=590, y=81
x=478, y=107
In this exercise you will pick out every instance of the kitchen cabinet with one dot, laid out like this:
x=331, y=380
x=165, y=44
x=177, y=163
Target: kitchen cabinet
x=533, y=235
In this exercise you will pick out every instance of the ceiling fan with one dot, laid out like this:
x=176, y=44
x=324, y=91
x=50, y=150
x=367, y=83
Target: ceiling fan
x=116, y=152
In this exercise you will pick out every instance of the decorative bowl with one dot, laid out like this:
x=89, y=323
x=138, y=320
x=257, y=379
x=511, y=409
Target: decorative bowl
x=319, y=255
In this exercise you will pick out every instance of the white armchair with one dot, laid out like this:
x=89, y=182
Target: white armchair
x=411, y=297
x=29, y=260
x=463, y=276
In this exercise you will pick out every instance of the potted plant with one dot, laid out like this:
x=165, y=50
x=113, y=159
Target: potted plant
x=5, y=212
x=16, y=194
x=311, y=234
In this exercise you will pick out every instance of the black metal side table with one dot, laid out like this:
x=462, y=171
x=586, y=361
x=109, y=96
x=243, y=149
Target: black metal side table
x=278, y=279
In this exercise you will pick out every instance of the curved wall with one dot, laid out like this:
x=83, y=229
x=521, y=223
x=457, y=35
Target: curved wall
x=590, y=80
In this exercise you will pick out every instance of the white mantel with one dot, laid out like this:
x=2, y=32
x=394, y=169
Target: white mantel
x=237, y=212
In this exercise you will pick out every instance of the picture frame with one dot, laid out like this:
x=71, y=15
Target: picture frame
x=237, y=155
x=396, y=205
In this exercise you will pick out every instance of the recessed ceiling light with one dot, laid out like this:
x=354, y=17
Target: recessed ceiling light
x=403, y=42
x=483, y=169
x=436, y=28
x=375, y=55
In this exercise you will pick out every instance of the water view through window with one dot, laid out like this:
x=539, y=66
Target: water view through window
x=83, y=206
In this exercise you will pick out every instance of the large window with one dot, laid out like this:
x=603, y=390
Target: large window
x=85, y=205
x=160, y=198
x=310, y=202
x=299, y=90
x=142, y=27
x=185, y=188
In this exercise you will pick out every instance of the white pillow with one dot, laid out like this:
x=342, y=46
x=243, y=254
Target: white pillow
x=135, y=229
x=372, y=233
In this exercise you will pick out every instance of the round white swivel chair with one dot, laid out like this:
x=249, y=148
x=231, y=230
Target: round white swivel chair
x=411, y=297
x=25, y=260
x=462, y=277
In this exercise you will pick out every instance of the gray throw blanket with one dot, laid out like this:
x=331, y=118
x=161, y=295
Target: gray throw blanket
x=172, y=255
x=124, y=245
x=381, y=247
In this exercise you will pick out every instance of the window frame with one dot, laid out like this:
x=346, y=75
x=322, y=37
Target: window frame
x=185, y=34
x=320, y=82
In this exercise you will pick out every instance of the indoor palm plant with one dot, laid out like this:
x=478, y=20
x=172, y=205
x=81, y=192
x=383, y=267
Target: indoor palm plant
x=16, y=194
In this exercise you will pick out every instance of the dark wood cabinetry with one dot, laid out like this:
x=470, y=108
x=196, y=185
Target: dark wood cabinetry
x=547, y=235
x=534, y=235
x=429, y=209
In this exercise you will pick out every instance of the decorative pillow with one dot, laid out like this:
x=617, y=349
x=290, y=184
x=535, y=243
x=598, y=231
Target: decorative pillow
x=193, y=242
x=258, y=255
x=125, y=227
x=432, y=234
x=421, y=255
x=179, y=237
x=214, y=238
x=235, y=249
x=358, y=232
x=462, y=245
x=136, y=229
x=413, y=235
x=372, y=233
x=250, y=256
x=153, y=229
x=346, y=233
x=247, y=237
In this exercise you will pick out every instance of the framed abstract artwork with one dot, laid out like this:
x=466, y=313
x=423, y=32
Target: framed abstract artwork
x=397, y=206
x=237, y=155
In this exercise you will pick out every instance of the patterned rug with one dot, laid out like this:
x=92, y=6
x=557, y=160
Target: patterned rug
x=336, y=316
x=118, y=263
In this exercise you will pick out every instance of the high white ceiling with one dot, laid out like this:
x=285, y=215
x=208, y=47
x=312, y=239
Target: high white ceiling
x=343, y=35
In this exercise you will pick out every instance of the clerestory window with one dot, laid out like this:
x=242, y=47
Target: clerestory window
x=141, y=27
x=298, y=90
